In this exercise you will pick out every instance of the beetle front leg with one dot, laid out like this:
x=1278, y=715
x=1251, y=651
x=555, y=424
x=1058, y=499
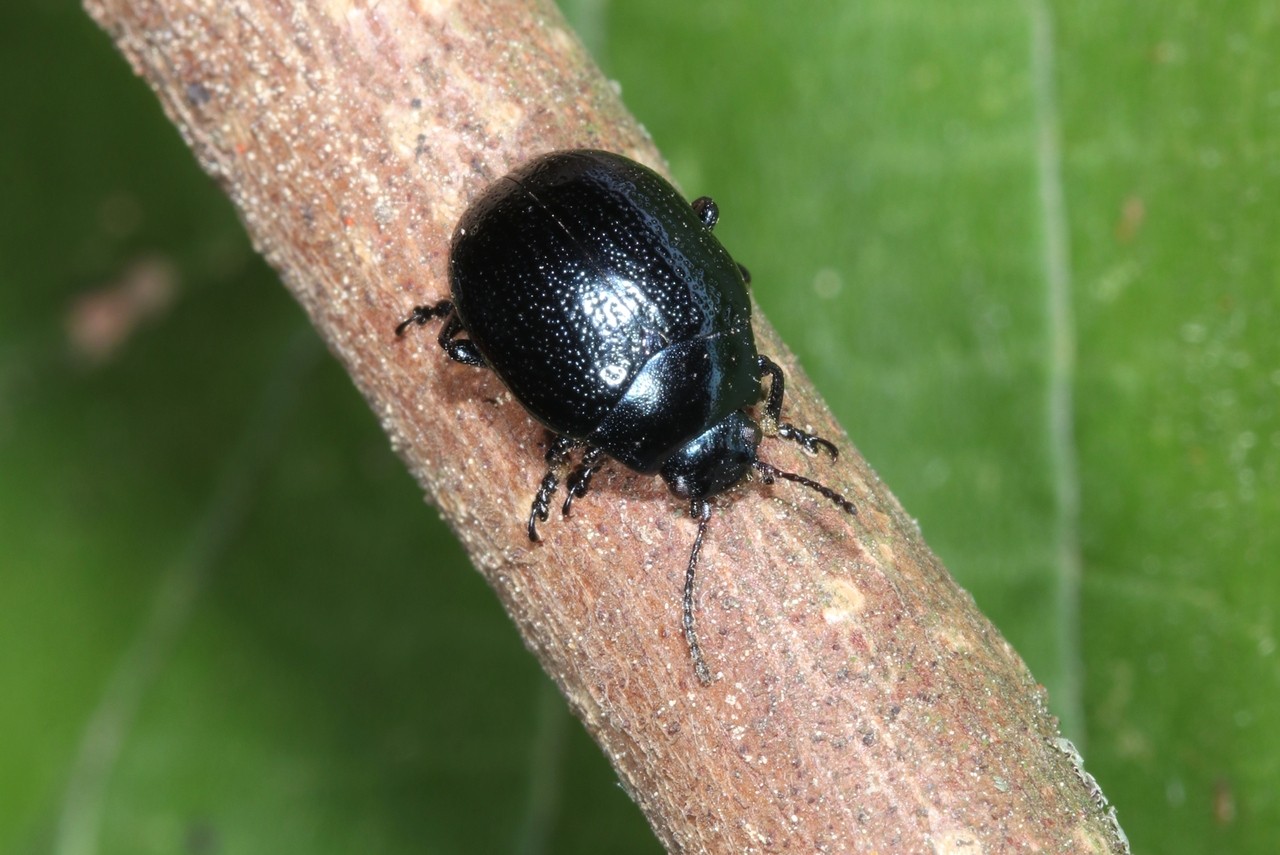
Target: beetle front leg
x=773, y=409
x=557, y=457
x=580, y=481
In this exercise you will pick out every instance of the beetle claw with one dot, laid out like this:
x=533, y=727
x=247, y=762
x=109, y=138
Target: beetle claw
x=535, y=515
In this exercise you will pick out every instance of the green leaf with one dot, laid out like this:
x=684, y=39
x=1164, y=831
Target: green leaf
x=1027, y=251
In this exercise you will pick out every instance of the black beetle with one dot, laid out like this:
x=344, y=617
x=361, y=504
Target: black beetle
x=602, y=300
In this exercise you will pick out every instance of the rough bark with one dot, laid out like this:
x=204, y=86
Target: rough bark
x=863, y=703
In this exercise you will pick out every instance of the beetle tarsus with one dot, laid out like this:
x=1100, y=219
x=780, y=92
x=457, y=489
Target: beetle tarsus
x=541, y=502
x=421, y=314
x=808, y=441
x=459, y=349
x=580, y=481
x=557, y=456
x=773, y=409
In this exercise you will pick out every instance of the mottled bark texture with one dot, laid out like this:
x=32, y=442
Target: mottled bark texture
x=863, y=703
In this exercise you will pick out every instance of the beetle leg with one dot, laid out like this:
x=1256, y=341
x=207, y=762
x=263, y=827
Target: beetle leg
x=557, y=457
x=422, y=314
x=580, y=481
x=773, y=409
x=701, y=510
x=707, y=211
x=459, y=349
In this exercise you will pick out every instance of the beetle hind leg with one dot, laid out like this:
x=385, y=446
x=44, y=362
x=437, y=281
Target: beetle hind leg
x=421, y=314
x=557, y=457
x=459, y=349
x=773, y=409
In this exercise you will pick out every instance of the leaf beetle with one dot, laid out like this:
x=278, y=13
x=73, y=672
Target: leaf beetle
x=605, y=304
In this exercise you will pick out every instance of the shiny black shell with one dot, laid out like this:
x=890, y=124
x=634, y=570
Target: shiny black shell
x=605, y=304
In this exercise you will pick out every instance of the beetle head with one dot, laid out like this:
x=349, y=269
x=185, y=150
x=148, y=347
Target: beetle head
x=715, y=460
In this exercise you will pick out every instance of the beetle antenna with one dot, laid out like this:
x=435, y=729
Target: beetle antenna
x=702, y=510
x=768, y=473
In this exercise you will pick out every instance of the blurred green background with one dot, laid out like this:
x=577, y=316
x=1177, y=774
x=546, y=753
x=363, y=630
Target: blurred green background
x=1028, y=251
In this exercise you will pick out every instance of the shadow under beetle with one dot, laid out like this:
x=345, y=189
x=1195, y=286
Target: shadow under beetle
x=602, y=300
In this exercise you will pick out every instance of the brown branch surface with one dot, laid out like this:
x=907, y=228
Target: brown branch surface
x=863, y=702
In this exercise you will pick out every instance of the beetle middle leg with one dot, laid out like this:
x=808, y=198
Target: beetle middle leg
x=709, y=213
x=557, y=456
x=773, y=409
